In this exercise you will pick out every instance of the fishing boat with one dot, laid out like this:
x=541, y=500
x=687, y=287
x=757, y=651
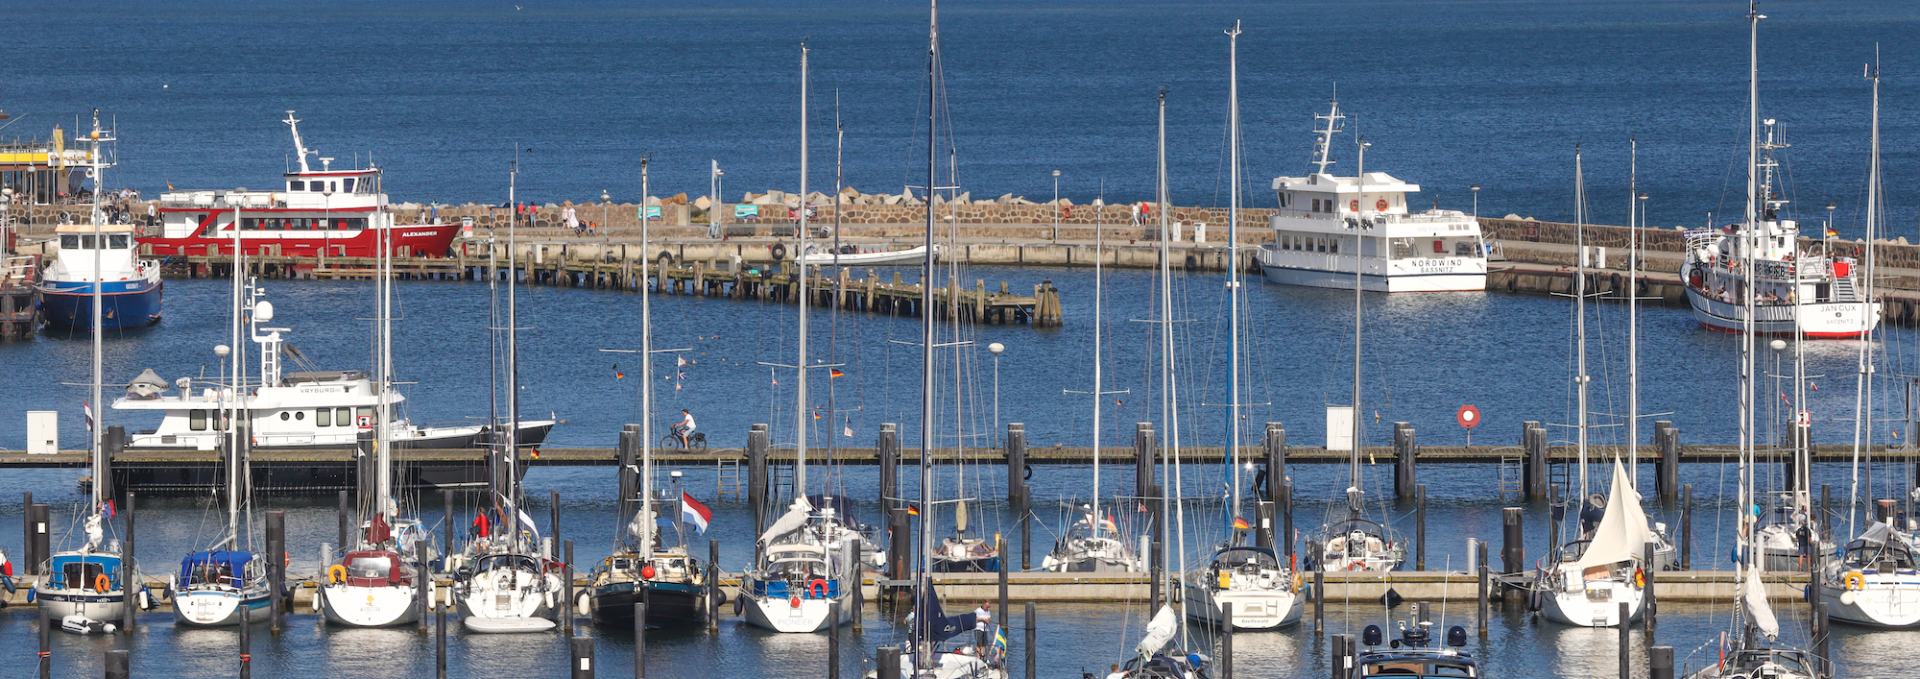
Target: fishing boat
x=216, y=584
x=1584, y=581
x=1340, y=232
x=644, y=565
x=316, y=213
x=1751, y=648
x=801, y=569
x=1264, y=592
x=86, y=588
x=375, y=583
x=1413, y=654
x=97, y=263
x=930, y=629
x=503, y=583
x=1353, y=542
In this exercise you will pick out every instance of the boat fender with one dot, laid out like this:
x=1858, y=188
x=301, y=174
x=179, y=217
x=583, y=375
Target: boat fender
x=1357, y=566
x=336, y=574
x=1846, y=597
x=739, y=605
x=1856, y=581
x=794, y=602
x=584, y=605
x=647, y=572
x=550, y=600
x=816, y=589
x=7, y=581
x=779, y=251
x=1296, y=581
x=1640, y=578
x=101, y=583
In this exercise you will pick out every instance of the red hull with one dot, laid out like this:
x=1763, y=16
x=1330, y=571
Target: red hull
x=1808, y=335
x=419, y=240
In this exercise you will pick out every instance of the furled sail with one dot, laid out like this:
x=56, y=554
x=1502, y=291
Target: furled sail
x=1159, y=631
x=795, y=517
x=1759, y=612
x=1622, y=532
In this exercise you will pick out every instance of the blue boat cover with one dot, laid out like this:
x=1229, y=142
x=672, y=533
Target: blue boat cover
x=234, y=561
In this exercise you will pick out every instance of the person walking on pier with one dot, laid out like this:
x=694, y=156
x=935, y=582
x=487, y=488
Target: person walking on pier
x=685, y=428
x=572, y=219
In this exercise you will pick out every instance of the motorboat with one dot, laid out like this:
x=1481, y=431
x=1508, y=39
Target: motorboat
x=98, y=257
x=1413, y=654
x=316, y=213
x=1329, y=228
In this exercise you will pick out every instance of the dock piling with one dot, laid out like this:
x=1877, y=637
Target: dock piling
x=566, y=574
x=276, y=569
x=1626, y=630
x=119, y=663
x=1660, y=662
x=1651, y=574
x=1276, y=451
x=640, y=639
x=439, y=638
x=1342, y=656
x=1000, y=547
x=888, y=450
x=1404, y=450
x=46, y=642
x=1153, y=583
x=582, y=647
x=859, y=593
x=26, y=534
x=1826, y=509
x=1686, y=527
x=1666, y=438
x=446, y=535
x=1533, y=438
x=553, y=517
x=1485, y=585
x=713, y=585
x=1319, y=588
x=39, y=543
x=1026, y=527
x=129, y=576
x=1823, y=636
x=833, y=640
x=1016, y=452
x=1033, y=653
x=1513, y=535
x=899, y=547
x=1226, y=640
x=1263, y=524
x=1420, y=526
x=1286, y=512
x=346, y=526
x=757, y=480
x=246, y=640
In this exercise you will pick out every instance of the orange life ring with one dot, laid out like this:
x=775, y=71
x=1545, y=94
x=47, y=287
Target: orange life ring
x=101, y=584
x=1380, y=205
x=817, y=588
x=1357, y=566
x=1354, y=206
x=336, y=574
x=1855, y=581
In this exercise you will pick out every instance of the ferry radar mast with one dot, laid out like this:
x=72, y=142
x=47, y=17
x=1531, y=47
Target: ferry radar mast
x=1325, y=142
x=299, y=149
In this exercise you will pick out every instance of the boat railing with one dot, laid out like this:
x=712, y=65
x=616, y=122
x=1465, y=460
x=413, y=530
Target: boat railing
x=1701, y=238
x=19, y=268
x=1298, y=213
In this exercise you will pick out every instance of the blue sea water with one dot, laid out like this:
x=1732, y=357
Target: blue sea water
x=1449, y=93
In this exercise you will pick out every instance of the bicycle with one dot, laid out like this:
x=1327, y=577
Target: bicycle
x=697, y=441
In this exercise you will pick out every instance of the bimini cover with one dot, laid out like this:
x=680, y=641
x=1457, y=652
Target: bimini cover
x=795, y=517
x=147, y=386
x=1622, y=533
x=234, y=561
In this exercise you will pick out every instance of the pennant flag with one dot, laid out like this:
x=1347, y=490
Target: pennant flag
x=680, y=375
x=835, y=372
x=693, y=512
x=848, y=428
x=1241, y=524
x=682, y=361
x=111, y=511
x=1813, y=386
x=676, y=386
x=88, y=408
x=816, y=414
x=617, y=374
x=1783, y=397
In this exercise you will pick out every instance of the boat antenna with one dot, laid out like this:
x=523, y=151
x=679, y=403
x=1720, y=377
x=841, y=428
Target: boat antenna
x=299, y=149
x=1325, y=143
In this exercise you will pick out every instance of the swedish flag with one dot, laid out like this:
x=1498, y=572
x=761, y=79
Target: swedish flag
x=997, y=653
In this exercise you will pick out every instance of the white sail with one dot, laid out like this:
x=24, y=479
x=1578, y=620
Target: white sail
x=1159, y=631
x=795, y=517
x=1759, y=612
x=1622, y=533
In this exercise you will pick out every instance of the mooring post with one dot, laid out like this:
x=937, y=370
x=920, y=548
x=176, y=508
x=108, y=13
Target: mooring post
x=119, y=663
x=1513, y=547
x=1555, y=514
x=1404, y=450
x=1263, y=524
x=1660, y=662
x=1286, y=513
x=757, y=481
x=26, y=534
x=1666, y=437
x=889, y=452
x=640, y=639
x=1319, y=588
x=887, y=665
x=1143, y=452
x=1016, y=453
x=446, y=536
x=1651, y=573
x=130, y=576
x=1823, y=642
x=1826, y=511
x=40, y=546
x=439, y=638
x=1153, y=577
x=553, y=518
x=1486, y=585
x=1276, y=453
x=246, y=640
x=582, y=647
x=1026, y=527
x=1686, y=527
x=859, y=593
x=1226, y=640
x=1033, y=654
x=713, y=584
x=899, y=547
x=1420, y=526
x=276, y=569
x=1000, y=545
x=1533, y=439
x=346, y=526
x=46, y=643
x=1342, y=653
x=1626, y=630
x=833, y=639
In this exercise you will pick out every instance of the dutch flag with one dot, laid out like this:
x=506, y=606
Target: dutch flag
x=693, y=512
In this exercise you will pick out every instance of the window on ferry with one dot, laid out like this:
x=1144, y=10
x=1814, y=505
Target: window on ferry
x=118, y=241
x=300, y=415
x=348, y=183
x=1463, y=249
x=284, y=416
x=1333, y=246
x=1320, y=244
x=323, y=417
x=69, y=242
x=86, y=242
x=197, y=420
x=1316, y=205
x=296, y=186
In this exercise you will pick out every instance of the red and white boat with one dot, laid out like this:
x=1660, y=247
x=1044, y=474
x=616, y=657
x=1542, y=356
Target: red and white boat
x=338, y=213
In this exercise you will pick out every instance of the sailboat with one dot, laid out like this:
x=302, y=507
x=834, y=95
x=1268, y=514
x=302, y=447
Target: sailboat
x=83, y=588
x=801, y=569
x=1355, y=543
x=215, y=583
x=1584, y=581
x=1743, y=653
x=1872, y=580
x=502, y=583
x=642, y=566
x=930, y=626
x=1264, y=591
x=373, y=584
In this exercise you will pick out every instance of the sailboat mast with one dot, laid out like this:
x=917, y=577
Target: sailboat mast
x=1359, y=289
x=1233, y=262
x=1166, y=321
x=806, y=292
x=921, y=639
x=1633, y=311
x=97, y=419
x=238, y=389
x=646, y=379
x=513, y=359
x=1580, y=311
x=383, y=438
x=1093, y=521
x=1863, y=400
x=1750, y=228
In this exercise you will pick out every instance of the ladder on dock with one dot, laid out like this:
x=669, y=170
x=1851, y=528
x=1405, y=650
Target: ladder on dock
x=1513, y=470
x=727, y=478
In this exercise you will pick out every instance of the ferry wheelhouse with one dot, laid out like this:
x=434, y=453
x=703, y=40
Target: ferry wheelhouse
x=1328, y=225
x=335, y=213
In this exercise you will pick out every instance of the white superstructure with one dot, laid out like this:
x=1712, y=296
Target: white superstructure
x=1324, y=220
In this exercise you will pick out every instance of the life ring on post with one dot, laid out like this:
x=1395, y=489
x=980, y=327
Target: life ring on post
x=101, y=583
x=1354, y=206
x=817, y=588
x=1855, y=581
x=336, y=574
x=1380, y=205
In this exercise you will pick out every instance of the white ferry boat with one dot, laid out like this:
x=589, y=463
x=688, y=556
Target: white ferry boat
x=324, y=212
x=1796, y=289
x=1324, y=221
x=290, y=411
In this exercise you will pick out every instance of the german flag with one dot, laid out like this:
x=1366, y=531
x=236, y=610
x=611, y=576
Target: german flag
x=912, y=510
x=618, y=374
x=1241, y=524
x=835, y=372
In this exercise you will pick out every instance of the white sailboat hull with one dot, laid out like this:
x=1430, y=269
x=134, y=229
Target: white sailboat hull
x=1593, y=603
x=220, y=607
x=1252, y=609
x=780, y=615
x=109, y=606
x=369, y=606
x=508, y=600
x=1889, y=601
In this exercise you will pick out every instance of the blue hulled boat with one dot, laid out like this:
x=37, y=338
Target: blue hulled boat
x=102, y=255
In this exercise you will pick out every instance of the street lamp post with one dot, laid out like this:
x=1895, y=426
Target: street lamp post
x=606, y=201
x=1476, y=200
x=1056, y=206
x=996, y=348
